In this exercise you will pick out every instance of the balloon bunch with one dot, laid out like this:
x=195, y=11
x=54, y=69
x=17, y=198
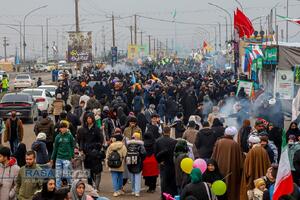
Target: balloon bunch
x=187, y=164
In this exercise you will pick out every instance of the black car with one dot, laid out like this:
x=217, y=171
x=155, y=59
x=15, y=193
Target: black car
x=23, y=104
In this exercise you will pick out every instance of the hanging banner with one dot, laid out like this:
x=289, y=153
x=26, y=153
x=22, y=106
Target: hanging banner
x=271, y=56
x=247, y=85
x=80, y=47
x=285, y=84
x=133, y=52
x=142, y=51
x=297, y=74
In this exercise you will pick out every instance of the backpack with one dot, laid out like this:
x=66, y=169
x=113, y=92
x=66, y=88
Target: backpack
x=114, y=159
x=133, y=159
x=138, y=103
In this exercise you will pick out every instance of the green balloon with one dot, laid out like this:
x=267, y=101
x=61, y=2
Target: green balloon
x=219, y=188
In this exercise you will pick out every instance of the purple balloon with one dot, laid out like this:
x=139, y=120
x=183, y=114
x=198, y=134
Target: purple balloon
x=200, y=164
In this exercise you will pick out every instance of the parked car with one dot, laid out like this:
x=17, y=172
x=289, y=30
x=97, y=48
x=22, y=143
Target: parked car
x=23, y=81
x=22, y=103
x=40, y=68
x=3, y=73
x=42, y=97
x=49, y=88
x=51, y=66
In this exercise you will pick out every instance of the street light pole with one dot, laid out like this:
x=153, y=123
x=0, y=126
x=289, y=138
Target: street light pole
x=287, y=22
x=240, y=4
x=24, y=30
x=226, y=28
x=20, y=33
x=47, y=45
x=219, y=7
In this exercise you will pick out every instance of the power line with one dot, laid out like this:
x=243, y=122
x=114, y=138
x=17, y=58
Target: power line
x=172, y=21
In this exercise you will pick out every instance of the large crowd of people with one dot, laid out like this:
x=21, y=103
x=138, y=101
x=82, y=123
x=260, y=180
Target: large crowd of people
x=141, y=127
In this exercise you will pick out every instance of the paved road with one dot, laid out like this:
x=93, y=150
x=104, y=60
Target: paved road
x=106, y=184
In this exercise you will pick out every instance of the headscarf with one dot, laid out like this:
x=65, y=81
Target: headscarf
x=295, y=131
x=75, y=184
x=45, y=193
x=149, y=142
x=212, y=176
x=181, y=148
x=196, y=176
x=20, y=154
x=217, y=123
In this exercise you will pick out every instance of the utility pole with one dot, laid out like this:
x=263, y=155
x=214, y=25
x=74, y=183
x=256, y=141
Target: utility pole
x=103, y=36
x=215, y=38
x=113, y=38
x=42, y=27
x=220, y=42
x=149, y=41
x=135, y=30
x=157, y=45
x=226, y=29
x=5, y=44
x=141, y=33
x=166, y=46
x=154, y=48
x=113, y=29
x=21, y=41
x=47, y=45
x=287, y=22
x=160, y=45
x=78, y=65
x=131, y=39
x=57, y=33
x=96, y=50
x=77, y=15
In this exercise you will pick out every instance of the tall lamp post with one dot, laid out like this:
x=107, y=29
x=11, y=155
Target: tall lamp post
x=230, y=17
x=24, y=32
x=240, y=4
x=20, y=33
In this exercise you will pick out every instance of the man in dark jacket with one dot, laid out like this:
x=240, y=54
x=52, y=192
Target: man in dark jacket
x=90, y=138
x=14, y=131
x=164, y=150
x=179, y=126
x=142, y=121
x=93, y=103
x=72, y=118
x=137, y=103
x=153, y=127
x=205, y=141
x=46, y=125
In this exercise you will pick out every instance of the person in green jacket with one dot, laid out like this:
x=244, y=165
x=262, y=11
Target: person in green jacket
x=27, y=183
x=63, y=153
x=5, y=84
x=98, y=120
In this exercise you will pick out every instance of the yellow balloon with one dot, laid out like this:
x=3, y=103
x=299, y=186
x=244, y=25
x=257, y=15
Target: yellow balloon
x=186, y=165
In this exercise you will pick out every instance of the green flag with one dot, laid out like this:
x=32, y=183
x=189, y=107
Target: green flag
x=284, y=142
x=174, y=13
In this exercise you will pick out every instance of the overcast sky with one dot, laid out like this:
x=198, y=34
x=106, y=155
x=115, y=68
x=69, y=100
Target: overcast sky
x=94, y=14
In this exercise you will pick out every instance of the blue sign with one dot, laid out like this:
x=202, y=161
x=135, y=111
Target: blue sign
x=114, y=54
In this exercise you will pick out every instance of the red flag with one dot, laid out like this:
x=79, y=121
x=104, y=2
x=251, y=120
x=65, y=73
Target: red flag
x=246, y=22
x=204, y=45
x=238, y=26
x=242, y=22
